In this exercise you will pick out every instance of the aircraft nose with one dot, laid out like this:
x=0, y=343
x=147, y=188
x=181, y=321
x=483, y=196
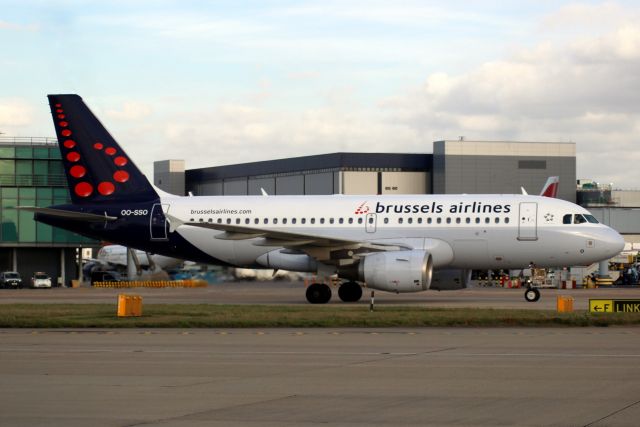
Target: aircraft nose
x=613, y=242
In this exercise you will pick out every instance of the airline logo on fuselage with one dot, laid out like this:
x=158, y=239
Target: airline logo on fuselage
x=363, y=209
x=433, y=207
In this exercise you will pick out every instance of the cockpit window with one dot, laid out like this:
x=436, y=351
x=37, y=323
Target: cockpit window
x=591, y=219
x=567, y=219
x=579, y=219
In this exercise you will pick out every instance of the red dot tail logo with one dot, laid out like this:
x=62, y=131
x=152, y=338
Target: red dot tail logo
x=362, y=209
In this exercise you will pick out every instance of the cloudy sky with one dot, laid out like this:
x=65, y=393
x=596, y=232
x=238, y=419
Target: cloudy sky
x=234, y=81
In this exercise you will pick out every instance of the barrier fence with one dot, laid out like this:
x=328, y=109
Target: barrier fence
x=153, y=284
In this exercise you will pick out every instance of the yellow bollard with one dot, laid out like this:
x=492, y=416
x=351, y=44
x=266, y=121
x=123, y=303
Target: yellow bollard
x=564, y=304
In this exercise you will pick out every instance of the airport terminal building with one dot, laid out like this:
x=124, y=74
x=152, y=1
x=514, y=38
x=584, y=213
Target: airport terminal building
x=461, y=166
x=31, y=174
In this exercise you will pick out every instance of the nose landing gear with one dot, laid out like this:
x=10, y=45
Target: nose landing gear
x=531, y=294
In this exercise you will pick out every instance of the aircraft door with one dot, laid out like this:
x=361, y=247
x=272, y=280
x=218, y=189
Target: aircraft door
x=527, y=221
x=370, y=223
x=158, y=223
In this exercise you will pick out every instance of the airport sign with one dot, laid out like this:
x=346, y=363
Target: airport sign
x=614, y=305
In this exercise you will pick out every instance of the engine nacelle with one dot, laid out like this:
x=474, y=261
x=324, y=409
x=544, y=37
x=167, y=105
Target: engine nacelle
x=287, y=261
x=450, y=279
x=397, y=271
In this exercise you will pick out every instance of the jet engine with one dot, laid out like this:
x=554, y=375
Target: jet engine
x=287, y=261
x=397, y=271
x=450, y=279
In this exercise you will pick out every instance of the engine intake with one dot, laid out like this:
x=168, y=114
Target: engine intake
x=397, y=271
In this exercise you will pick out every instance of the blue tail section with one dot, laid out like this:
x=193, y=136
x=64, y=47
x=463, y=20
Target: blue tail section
x=97, y=168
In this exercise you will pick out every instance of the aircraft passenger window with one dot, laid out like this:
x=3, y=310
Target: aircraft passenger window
x=429, y=220
x=457, y=220
x=359, y=220
x=419, y=220
x=497, y=220
x=578, y=219
x=400, y=220
x=284, y=220
x=237, y=220
x=386, y=220
x=321, y=220
x=567, y=219
x=201, y=220
x=330, y=220
x=219, y=221
x=592, y=219
x=303, y=220
x=350, y=220
x=275, y=220
x=256, y=221
x=293, y=220
x=487, y=220
x=410, y=220
x=313, y=220
x=210, y=219
x=468, y=220
x=506, y=220
x=439, y=220
x=191, y=220
x=341, y=221
x=228, y=220
x=266, y=220
x=247, y=221
x=477, y=220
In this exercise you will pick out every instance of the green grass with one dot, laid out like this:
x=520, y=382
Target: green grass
x=298, y=316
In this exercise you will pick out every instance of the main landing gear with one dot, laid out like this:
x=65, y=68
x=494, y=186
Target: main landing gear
x=532, y=294
x=319, y=293
x=350, y=292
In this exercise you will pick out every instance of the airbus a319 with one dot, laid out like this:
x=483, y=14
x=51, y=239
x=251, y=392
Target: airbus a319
x=394, y=243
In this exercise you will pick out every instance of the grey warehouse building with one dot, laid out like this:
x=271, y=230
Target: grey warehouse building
x=460, y=166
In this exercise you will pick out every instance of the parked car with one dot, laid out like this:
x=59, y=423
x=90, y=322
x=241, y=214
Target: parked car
x=10, y=279
x=40, y=280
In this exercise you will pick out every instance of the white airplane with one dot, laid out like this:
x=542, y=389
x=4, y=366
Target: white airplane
x=390, y=243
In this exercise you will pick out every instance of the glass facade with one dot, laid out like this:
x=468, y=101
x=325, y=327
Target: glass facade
x=32, y=174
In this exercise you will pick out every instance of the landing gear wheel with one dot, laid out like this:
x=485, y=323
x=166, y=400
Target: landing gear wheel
x=318, y=293
x=532, y=294
x=350, y=292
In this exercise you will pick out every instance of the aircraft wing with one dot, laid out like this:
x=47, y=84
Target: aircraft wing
x=321, y=248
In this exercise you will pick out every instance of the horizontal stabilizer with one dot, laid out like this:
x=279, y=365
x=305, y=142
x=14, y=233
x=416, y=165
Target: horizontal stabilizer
x=79, y=216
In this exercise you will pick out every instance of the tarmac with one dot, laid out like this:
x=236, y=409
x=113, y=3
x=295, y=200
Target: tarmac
x=307, y=377
x=284, y=292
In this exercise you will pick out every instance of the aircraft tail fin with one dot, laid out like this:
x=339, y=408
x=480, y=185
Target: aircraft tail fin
x=97, y=168
x=550, y=188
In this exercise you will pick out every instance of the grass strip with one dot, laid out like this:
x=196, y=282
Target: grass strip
x=293, y=316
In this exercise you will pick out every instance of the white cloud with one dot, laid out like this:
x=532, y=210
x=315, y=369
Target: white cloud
x=14, y=114
x=12, y=26
x=131, y=110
